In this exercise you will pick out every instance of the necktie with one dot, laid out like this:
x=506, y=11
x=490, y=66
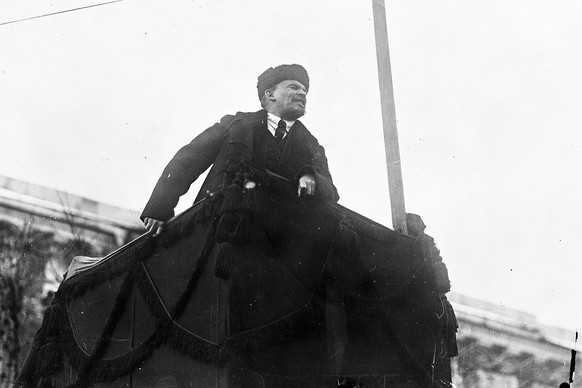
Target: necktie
x=280, y=131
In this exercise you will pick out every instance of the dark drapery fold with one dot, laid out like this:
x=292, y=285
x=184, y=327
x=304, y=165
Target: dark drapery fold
x=254, y=287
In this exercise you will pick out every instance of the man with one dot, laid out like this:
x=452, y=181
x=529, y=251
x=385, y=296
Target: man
x=272, y=139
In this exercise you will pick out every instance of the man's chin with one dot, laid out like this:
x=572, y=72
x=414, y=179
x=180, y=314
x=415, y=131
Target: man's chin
x=294, y=114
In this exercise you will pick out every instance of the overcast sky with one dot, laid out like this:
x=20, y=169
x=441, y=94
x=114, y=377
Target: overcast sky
x=488, y=98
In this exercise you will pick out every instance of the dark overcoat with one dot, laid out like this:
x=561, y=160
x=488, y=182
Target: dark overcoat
x=240, y=136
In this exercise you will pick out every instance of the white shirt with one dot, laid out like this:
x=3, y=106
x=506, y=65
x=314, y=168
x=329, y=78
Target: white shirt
x=273, y=122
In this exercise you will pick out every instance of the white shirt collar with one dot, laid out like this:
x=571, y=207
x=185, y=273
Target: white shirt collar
x=273, y=122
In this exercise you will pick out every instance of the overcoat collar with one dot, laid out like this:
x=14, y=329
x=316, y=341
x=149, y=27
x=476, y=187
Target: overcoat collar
x=255, y=119
x=259, y=119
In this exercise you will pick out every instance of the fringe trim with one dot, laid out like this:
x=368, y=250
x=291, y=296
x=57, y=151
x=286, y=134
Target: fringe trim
x=197, y=348
x=111, y=269
x=104, y=370
x=107, y=369
x=96, y=369
x=180, y=340
x=141, y=250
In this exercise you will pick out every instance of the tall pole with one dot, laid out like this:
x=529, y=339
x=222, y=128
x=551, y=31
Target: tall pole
x=389, y=119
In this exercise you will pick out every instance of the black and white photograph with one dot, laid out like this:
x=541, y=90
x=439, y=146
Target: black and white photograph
x=277, y=194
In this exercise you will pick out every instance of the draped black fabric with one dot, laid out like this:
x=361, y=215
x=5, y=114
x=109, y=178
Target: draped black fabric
x=252, y=288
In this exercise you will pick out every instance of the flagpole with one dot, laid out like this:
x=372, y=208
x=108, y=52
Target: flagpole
x=393, y=166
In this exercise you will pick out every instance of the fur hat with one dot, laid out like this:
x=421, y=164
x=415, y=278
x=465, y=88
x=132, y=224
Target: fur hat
x=272, y=76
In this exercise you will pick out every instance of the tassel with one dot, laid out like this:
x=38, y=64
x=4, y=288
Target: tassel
x=232, y=197
x=225, y=226
x=231, y=202
x=224, y=261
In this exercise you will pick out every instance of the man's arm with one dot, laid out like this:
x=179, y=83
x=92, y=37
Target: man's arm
x=316, y=179
x=184, y=168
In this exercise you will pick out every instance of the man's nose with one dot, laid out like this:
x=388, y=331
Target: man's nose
x=302, y=92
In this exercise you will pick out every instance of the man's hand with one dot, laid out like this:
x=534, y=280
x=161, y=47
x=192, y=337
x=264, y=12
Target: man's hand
x=306, y=185
x=154, y=226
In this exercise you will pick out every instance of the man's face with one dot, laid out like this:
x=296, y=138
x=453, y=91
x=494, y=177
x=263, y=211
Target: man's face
x=289, y=99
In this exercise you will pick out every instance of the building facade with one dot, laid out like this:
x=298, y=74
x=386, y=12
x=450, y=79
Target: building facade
x=105, y=226
x=503, y=347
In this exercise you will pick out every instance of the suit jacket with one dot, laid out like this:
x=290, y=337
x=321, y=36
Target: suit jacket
x=242, y=136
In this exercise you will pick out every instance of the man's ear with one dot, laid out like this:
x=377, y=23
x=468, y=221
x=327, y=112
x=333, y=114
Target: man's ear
x=270, y=95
